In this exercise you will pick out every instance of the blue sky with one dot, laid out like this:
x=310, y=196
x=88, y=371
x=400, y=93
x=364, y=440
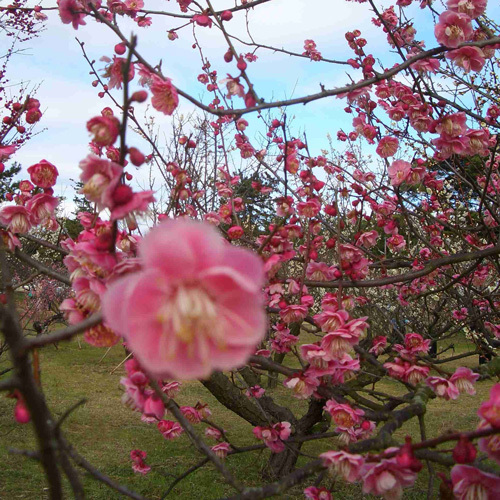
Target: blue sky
x=54, y=62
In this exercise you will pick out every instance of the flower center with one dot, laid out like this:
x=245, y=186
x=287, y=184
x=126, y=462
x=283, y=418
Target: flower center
x=190, y=312
x=476, y=492
x=343, y=419
x=454, y=32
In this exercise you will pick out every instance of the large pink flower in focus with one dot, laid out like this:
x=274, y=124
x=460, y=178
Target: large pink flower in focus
x=453, y=29
x=196, y=305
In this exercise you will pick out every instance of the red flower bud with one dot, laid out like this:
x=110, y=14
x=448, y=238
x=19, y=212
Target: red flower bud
x=464, y=452
x=120, y=48
x=241, y=65
x=21, y=413
x=122, y=194
x=330, y=243
x=227, y=15
x=139, y=96
x=136, y=157
x=406, y=458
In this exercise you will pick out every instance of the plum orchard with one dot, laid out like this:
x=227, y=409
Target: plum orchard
x=354, y=276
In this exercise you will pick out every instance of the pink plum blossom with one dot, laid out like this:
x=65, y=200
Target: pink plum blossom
x=138, y=458
x=330, y=320
x=442, y=388
x=464, y=380
x=302, y=386
x=378, y=345
x=165, y=97
x=471, y=483
x=72, y=12
x=472, y=8
x=387, y=146
x=43, y=174
x=114, y=71
x=274, y=435
x=344, y=415
x=213, y=433
x=489, y=444
x=41, y=207
x=255, y=391
x=126, y=202
x=467, y=58
x=221, y=449
x=490, y=410
x=194, y=307
x=386, y=478
x=154, y=407
x=170, y=429
x=319, y=271
x=315, y=493
x=7, y=151
x=16, y=218
x=398, y=172
x=368, y=239
x=343, y=463
x=453, y=29
x=100, y=178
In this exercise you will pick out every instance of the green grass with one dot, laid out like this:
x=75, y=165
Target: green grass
x=104, y=431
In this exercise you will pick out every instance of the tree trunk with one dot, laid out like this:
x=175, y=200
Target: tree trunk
x=281, y=464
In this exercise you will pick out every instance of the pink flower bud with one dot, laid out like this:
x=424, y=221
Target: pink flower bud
x=21, y=413
x=241, y=65
x=227, y=15
x=464, y=452
x=122, y=194
x=120, y=48
x=136, y=157
x=139, y=96
x=154, y=407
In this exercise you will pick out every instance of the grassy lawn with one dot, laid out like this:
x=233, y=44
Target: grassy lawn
x=104, y=431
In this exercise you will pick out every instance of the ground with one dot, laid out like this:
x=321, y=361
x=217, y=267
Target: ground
x=104, y=431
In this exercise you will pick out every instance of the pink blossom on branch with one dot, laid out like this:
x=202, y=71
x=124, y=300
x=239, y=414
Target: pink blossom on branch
x=165, y=97
x=72, y=12
x=43, y=174
x=453, y=29
x=442, y=387
x=471, y=483
x=196, y=305
x=467, y=58
x=472, y=8
x=398, y=172
x=345, y=464
x=386, y=478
